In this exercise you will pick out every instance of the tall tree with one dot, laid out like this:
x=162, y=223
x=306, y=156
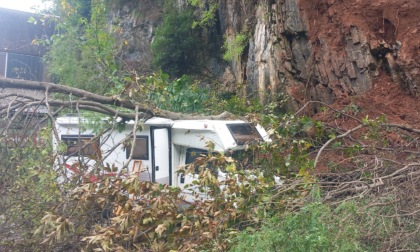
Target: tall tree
x=176, y=41
x=82, y=51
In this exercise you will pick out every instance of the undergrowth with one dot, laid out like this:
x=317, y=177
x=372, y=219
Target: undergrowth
x=350, y=226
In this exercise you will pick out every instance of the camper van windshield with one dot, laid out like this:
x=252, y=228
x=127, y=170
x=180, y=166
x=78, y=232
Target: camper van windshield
x=245, y=159
x=243, y=133
x=80, y=145
x=193, y=154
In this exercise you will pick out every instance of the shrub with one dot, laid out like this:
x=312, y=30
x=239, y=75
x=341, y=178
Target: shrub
x=179, y=95
x=316, y=227
x=28, y=187
x=207, y=12
x=235, y=47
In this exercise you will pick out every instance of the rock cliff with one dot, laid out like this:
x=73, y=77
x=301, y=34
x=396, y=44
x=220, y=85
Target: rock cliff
x=321, y=50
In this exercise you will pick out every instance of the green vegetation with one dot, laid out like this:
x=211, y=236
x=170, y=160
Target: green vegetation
x=187, y=95
x=207, y=12
x=235, y=47
x=321, y=227
x=270, y=197
x=179, y=95
x=82, y=52
x=176, y=42
x=28, y=184
x=316, y=227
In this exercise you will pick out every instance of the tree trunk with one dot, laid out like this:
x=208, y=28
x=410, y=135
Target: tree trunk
x=109, y=105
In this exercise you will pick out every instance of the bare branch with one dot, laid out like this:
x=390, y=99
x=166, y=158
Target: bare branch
x=358, y=186
x=328, y=106
x=334, y=139
x=404, y=127
x=133, y=142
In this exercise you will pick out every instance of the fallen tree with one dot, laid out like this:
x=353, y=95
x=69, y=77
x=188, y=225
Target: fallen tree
x=81, y=99
x=363, y=166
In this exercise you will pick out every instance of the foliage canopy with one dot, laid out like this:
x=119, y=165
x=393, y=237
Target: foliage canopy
x=82, y=50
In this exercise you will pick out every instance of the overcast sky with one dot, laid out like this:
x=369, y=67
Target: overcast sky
x=23, y=5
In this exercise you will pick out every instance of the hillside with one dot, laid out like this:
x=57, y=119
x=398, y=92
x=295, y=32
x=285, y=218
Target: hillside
x=113, y=161
x=311, y=50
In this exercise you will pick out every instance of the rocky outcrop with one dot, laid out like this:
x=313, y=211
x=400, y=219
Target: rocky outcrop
x=278, y=47
x=320, y=50
x=327, y=50
x=280, y=58
x=357, y=42
x=135, y=23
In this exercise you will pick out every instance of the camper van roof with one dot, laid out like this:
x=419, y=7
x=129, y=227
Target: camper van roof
x=74, y=120
x=201, y=124
x=158, y=121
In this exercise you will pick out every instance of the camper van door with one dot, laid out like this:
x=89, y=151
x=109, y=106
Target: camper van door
x=161, y=153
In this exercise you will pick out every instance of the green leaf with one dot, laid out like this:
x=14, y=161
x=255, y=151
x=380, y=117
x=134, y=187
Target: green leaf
x=147, y=220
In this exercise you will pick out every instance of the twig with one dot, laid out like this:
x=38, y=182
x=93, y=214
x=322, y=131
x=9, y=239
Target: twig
x=333, y=109
x=376, y=182
x=334, y=139
x=401, y=170
x=404, y=127
x=133, y=143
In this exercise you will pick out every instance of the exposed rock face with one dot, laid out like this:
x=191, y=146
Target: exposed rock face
x=137, y=21
x=308, y=49
x=361, y=40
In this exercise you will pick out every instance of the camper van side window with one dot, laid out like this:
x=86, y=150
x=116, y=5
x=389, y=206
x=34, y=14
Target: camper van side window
x=82, y=145
x=243, y=133
x=141, y=150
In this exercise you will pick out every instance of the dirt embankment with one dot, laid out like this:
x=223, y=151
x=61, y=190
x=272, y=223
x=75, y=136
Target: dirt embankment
x=392, y=29
x=391, y=33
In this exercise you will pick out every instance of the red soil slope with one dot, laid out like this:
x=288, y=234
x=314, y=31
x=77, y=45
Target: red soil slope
x=392, y=21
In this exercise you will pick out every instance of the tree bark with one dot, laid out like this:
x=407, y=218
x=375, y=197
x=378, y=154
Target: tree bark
x=110, y=105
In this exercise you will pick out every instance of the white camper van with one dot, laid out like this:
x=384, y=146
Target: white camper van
x=161, y=146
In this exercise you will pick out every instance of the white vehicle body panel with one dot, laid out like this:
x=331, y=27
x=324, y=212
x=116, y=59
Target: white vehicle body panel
x=167, y=145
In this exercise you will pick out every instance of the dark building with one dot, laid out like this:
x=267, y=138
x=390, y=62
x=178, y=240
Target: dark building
x=19, y=57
